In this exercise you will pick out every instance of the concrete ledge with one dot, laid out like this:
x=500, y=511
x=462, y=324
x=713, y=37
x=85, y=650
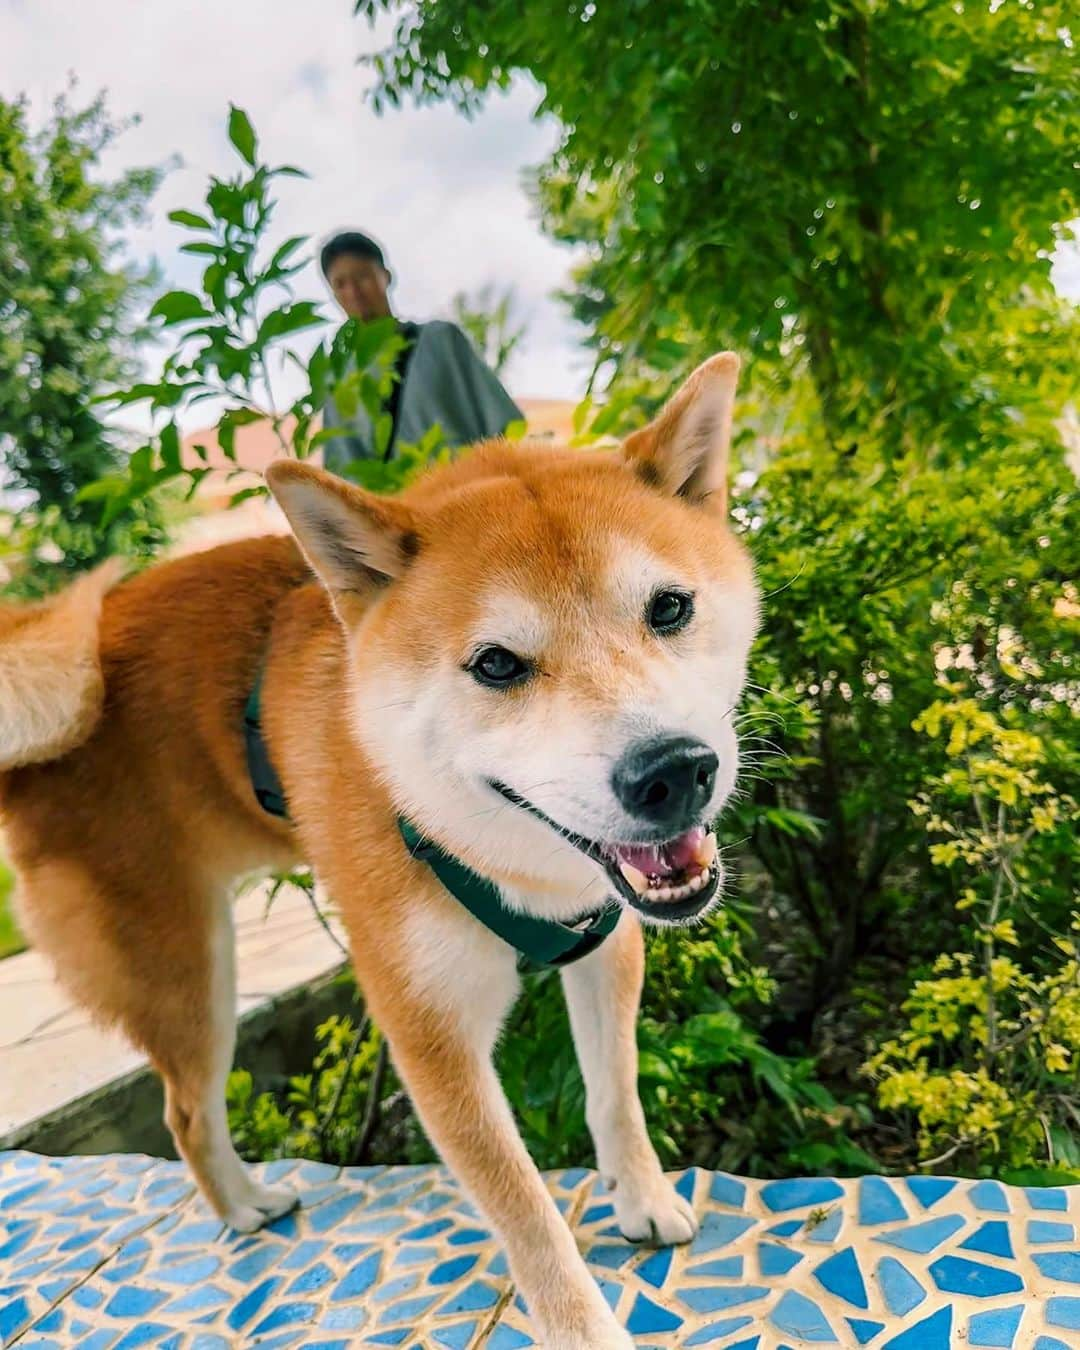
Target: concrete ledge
x=67, y=1086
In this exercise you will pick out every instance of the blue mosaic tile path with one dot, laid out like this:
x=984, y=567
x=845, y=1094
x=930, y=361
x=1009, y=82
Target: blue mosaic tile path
x=113, y=1253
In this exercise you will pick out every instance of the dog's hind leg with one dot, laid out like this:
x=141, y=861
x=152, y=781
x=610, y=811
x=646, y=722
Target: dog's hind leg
x=602, y=994
x=194, y=1059
x=162, y=967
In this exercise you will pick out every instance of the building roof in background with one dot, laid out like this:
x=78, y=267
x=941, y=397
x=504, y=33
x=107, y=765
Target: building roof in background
x=257, y=446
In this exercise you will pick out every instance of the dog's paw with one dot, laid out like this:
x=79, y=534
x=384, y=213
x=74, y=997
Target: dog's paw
x=262, y=1205
x=655, y=1213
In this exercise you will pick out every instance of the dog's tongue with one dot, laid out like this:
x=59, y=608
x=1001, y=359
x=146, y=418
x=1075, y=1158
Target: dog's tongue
x=663, y=860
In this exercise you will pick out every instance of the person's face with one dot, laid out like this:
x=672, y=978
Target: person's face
x=359, y=285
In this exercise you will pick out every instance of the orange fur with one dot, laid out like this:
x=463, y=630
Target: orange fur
x=51, y=688
x=128, y=838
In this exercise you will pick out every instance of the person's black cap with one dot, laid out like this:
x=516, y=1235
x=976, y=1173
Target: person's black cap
x=350, y=244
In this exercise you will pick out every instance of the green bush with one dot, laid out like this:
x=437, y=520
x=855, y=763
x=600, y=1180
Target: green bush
x=987, y=1065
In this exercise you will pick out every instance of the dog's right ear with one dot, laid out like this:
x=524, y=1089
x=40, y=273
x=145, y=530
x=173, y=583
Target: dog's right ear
x=684, y=451
x=355, y=540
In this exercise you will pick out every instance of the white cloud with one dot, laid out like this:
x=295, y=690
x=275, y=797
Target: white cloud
x=445, y=195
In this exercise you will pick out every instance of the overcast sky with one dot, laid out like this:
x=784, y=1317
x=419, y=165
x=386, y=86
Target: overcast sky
x=444, y=195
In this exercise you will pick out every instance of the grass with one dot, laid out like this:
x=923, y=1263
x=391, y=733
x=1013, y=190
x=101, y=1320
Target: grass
x=10, y=937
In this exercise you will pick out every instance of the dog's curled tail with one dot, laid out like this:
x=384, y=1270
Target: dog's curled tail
x=51, y=686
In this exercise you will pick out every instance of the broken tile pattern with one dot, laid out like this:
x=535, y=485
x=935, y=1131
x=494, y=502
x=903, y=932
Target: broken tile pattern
x=110, y=1253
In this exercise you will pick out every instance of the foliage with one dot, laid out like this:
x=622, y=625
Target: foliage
x=68, y=323
x=339, y=1111
x=231, y=337
x=329, y=1113
x=487, y=318
x=708, y=1083
x=348, y=1108
x=862, y=198
x=988, y=1063
x=876, y=185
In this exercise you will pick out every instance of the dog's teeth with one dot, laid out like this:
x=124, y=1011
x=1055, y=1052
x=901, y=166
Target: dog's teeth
x=638, y=880
x=664, y=893
x=706, y=854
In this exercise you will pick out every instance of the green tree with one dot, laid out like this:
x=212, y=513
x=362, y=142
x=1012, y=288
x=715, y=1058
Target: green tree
x=229, y=338
x=876, y=184
x=863, y=197
x=69, y=311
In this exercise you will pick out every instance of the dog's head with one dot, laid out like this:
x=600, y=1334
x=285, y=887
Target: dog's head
x=546, y=647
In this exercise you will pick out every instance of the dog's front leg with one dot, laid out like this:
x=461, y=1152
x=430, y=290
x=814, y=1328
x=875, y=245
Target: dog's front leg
x=602, y=993
x=441, y=1009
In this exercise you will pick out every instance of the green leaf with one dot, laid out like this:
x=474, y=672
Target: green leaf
x=318, y=369
x=115, y=485
x=170, y=448
x=226, y=202
x=226, y=434
x=581, y=415
x=608, y=417
x=196, y=476
x=138, y=393
x=287, y=249
x=1066, y=1146
x=326, y=434
x=242, y=134
x=368, y=343
x=179, y=307
x=245, y=493
x=347, y=396
x=242, y=417
x=230, y=420
x=655, y=1068
x=1040, y=1176
x=190, y=219
x=288, y=319
x=384, y=428
x=140, y=465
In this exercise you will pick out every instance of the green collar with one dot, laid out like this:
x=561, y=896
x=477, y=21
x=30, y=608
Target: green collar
x=538, y=942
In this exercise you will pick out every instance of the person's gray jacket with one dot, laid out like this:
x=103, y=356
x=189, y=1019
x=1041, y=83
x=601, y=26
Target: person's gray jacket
x=445, y=382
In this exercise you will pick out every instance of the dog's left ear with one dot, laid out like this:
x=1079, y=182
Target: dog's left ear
x=684, y=451
x=356, y=541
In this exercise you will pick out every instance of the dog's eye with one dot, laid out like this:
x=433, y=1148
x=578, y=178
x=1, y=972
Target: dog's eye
x=669, y=611
x=498, y=668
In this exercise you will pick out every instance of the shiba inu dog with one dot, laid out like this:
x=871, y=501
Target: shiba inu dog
x=530, y=658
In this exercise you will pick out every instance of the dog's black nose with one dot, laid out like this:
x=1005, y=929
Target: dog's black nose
x=666, y=781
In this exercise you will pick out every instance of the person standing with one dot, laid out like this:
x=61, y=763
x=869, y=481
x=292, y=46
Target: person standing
x=439, y=376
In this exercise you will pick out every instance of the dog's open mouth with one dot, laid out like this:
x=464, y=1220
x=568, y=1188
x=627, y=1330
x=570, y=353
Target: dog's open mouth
x=670, y=882
x=680, y=873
